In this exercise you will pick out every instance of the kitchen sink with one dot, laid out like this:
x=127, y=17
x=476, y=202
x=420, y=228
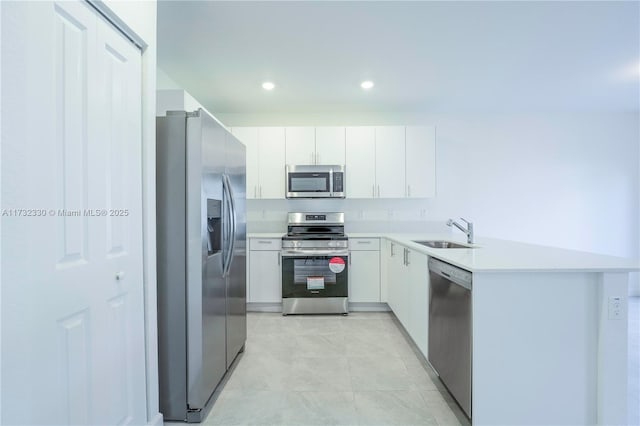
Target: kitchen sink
x=442, y=244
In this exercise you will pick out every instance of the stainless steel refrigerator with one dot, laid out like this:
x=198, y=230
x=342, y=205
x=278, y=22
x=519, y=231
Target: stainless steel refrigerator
x=201, y=254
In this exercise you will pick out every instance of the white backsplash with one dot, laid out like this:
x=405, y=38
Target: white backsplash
x=360, y=215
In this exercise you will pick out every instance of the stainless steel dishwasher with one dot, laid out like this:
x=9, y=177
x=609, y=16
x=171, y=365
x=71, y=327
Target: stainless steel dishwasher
x=450, y=328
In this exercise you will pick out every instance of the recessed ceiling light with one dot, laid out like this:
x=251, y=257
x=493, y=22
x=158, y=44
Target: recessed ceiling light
x=366, y=84
x=267, y=85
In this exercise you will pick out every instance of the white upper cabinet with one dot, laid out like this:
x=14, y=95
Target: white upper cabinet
x=420, y=160
x=330, y=146
x=381, y=162
x=390, y=162
x=300, y=145
x=360, y=162
x=265, y=160
x=271, y=155
x=319, y=145
x=249, y=137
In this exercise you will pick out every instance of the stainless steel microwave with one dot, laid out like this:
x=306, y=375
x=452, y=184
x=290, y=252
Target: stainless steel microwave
x=314, y=181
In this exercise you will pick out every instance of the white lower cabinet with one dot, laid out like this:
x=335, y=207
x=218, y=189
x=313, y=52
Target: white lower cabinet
x=265, y=284
x=397, y=286
x=408, y=291
x=418, y=278
x=364, y=270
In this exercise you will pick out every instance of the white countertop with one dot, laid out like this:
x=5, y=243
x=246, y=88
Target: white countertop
x=265, y=234
x=493, y=255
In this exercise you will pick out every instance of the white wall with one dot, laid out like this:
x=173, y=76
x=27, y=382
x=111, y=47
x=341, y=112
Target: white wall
x=561, y=179
x=141, y=18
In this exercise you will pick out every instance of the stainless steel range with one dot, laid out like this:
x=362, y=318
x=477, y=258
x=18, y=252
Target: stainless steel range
x=315, y=264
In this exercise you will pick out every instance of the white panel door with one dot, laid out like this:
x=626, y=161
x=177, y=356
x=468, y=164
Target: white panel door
x=271, y=155
x=390, y=162
x=249, y=137
x=420, y=145
x=265, y=285
x=364, y=276
x=360, y=162
x=300, y=145
x=72, y=305
x=330, y=146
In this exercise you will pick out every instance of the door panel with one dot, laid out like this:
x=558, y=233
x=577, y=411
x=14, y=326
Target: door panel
x=330, y=147
x=237, y=278
x=271, y=151
x=360, y=162
x=390, y=179
x=76, y=312
x=421, y=161
x=300, y=145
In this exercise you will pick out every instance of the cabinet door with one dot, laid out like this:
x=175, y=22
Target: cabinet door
x=249, y=137
x=271, y=155
x=330, y=145
x=395, y=271
x=360, y=158
x=364, y=276
x=420, y=145
x=300, y=145
x=418, y=299
x=390, y=162
x=265, y=285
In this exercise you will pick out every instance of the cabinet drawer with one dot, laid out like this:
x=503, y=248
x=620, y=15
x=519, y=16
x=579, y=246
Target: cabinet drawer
x=265, y=244
x=364, y=243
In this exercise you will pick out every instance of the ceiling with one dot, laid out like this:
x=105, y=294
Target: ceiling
x=422, y=56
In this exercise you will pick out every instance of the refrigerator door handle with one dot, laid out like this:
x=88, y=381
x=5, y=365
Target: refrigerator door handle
x=233, y=219
x=229, y=225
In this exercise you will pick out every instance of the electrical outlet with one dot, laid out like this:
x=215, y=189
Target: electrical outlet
x=615, y=307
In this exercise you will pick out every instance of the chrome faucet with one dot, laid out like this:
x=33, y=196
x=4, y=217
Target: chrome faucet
x=468, y=230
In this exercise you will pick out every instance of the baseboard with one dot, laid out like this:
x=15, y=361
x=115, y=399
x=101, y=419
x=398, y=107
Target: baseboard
x=353, y=307
x=157, y=420
x=264, y=307
x=368, y=307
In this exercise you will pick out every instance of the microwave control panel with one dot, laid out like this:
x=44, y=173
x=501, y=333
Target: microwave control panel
x=338, y=182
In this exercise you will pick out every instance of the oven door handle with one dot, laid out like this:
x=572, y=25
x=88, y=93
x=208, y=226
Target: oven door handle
x=299, y=253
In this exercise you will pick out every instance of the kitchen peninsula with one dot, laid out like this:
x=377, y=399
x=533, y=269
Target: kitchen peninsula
x=549, y=325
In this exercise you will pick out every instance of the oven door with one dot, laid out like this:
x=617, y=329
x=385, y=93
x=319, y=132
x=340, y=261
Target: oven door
x=317, y=273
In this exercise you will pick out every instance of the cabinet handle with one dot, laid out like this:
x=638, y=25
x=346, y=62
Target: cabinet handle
x=264, y=242
x=392, y=253
x=363, y=242
x=260, y=191
x=349, y=257
x=408, y=263
x=409, y=190
x=378, y=191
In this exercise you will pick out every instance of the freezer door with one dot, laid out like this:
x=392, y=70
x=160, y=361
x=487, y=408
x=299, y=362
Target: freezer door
x=236, y=277
x=206, y=286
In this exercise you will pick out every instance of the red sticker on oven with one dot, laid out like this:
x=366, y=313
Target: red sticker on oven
x=336, y=264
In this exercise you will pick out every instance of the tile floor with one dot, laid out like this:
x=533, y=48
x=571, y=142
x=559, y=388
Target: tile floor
x=331, y=370
x=353, y=370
